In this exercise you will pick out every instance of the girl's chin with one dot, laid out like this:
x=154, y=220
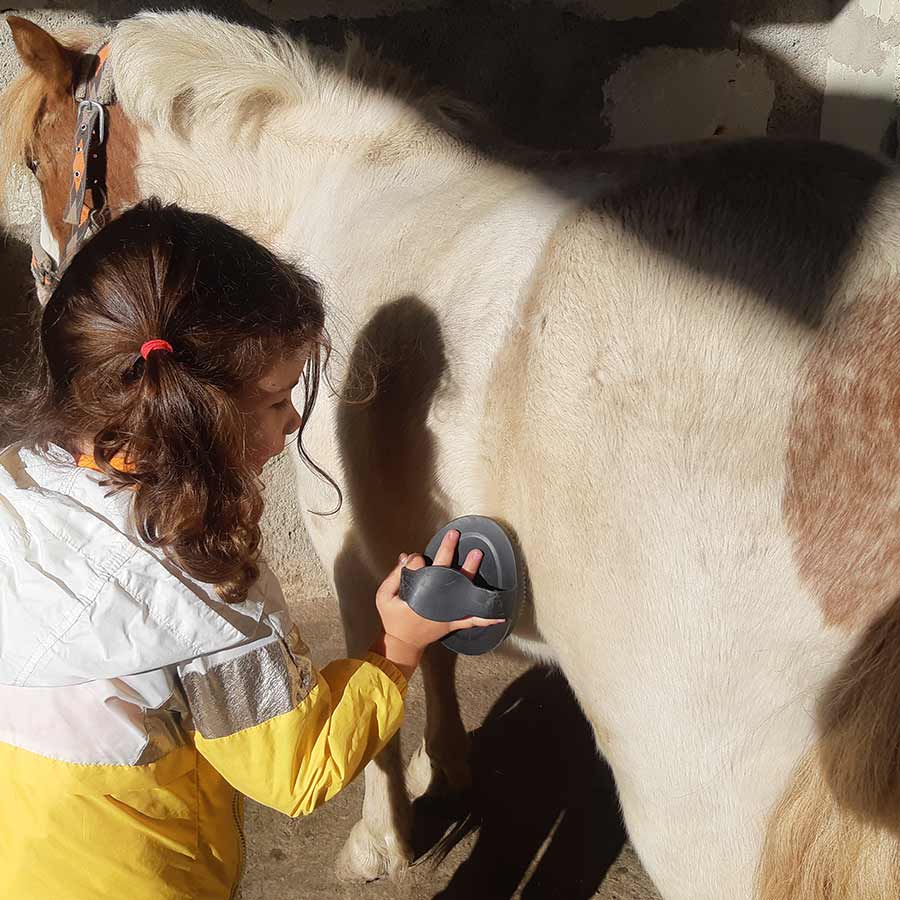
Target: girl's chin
x=260, y=461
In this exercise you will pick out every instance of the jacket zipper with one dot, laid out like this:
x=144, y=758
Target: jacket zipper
x=235, y=811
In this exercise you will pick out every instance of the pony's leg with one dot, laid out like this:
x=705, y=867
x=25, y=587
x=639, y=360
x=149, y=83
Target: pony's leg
x=379, y=843
x=442, y=761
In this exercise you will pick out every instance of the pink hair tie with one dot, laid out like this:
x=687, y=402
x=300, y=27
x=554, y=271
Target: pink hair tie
x=156, y=344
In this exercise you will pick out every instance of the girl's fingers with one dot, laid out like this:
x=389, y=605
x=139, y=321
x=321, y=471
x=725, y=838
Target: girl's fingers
x=473, y=622
x=473, y=561
x=414, y=561
x=391, y=584
x=447, y=551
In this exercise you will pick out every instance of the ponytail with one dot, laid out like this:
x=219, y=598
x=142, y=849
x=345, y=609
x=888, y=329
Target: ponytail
x=156, y=326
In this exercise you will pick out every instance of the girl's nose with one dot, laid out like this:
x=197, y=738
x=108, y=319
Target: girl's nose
x=293, y=423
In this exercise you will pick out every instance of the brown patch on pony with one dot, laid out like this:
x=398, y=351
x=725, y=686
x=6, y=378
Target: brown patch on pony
x=121, y=161
x=51, y=150
x=54, y=143
x=842, y=498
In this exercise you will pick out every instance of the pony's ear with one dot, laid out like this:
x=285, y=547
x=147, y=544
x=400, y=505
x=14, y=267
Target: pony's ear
x=43, y=54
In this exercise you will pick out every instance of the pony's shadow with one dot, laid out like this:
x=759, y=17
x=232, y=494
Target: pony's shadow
x=543, y=803
x=395, y=368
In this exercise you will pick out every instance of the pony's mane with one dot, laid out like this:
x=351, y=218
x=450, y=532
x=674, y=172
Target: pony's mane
x=181, y=70
x=22, y=102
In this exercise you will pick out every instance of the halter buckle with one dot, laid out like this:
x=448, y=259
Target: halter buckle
x=101, y=113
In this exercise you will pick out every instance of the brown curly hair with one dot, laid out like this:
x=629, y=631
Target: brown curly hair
x=228, y=307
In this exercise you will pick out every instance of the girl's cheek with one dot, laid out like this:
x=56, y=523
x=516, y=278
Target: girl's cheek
x=276, y=440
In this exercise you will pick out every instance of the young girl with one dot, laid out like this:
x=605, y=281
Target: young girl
x=149, y=671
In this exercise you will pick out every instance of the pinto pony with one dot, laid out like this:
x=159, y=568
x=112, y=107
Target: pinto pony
x=675, y=376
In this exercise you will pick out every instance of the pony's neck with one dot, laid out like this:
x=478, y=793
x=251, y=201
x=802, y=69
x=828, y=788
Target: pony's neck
x=310, y=178
x=268, y=133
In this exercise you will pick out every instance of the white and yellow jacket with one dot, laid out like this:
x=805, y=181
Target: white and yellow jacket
x=136, y=707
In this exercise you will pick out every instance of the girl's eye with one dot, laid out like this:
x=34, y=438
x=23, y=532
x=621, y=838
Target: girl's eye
x=281, y=404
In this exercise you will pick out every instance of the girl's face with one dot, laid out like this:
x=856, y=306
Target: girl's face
x=269, y=408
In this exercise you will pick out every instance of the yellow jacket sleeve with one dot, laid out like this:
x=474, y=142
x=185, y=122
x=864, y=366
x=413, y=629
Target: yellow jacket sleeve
x=293, y=760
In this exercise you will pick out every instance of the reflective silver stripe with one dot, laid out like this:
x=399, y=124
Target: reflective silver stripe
x=248, y=690
x=164, y=732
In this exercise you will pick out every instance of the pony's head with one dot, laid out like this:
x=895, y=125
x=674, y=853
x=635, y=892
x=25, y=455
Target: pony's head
x=40, y=133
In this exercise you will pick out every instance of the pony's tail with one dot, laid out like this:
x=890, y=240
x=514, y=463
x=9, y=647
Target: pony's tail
x=835, y=834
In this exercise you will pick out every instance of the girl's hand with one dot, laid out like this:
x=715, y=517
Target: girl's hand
x=407, y=634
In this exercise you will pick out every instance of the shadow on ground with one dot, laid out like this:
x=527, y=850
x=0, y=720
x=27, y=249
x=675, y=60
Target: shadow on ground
x=543, y=803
